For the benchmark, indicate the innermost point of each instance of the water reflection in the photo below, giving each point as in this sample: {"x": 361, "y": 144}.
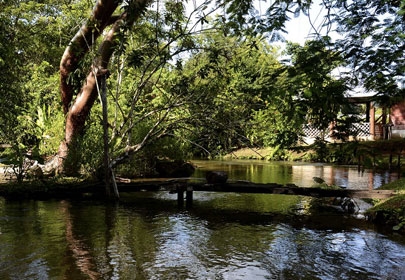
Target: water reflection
{"x": 224, "y": 235}
{"x": 146, "y": 236}
{"x": 297, "y": 173}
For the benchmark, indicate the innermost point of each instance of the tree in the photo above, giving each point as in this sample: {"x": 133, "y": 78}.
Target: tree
{"x": 304, "y": 92}
{"x": 117, "y": 31}
{"x": 74, "y": 54}
{"x": 373, "y": 42}
{"x": 317, "y": 92}
{"x": 118, "y": 17}
{"x": 161, "y": 36}
{"x": 230, "y": 77}
{"x": 27, "y": 53}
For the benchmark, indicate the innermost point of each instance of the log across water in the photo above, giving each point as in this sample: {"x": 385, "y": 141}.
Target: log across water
{"x": 188, "y": 185}
{"x": 185, "y": 184}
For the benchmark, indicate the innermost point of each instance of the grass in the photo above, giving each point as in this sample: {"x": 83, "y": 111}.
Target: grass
{"x": 268, "y": 153}
{"x": 396, "y": 185}
{"x": 247, "y": 153}
{"x": 391, "y": 211}
{"x": 381, "y": 154}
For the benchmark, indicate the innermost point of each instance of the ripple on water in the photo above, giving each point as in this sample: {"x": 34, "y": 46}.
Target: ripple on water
{"x": 159, "y": 243}
{"x": 335, "y": 255}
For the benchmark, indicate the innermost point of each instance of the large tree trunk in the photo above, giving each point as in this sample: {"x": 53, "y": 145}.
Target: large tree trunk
{"x": 78, "y": 110}
{"x": 81, "y": 44}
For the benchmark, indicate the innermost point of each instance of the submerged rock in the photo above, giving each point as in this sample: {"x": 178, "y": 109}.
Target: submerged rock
{"x": 216, "y": 177}
{"x": 174, "y": 169}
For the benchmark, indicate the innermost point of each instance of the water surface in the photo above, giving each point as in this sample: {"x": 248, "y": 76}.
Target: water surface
{"x": 224, "y": 236}
{"x": 298, "y": 173}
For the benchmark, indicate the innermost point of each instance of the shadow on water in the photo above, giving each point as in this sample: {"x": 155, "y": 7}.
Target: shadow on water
{"x": 251, "y": 209}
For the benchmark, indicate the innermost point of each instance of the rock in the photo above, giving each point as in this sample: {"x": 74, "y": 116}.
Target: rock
{"x": 216, "y": 177}
{"x": 36, "y": 172}
{"x": 318, "y": 180}
{"x": 174, "y": 169}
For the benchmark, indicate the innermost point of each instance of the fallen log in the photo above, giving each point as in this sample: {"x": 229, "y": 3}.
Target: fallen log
{"x": 179, "y": 185}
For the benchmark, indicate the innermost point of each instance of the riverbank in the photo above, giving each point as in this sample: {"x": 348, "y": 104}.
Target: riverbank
{"x": 390, "y": 212}
{"x": 387, "y": 212}
{"x": 381, "y": 154}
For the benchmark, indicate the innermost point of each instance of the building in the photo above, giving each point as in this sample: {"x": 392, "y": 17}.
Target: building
{"x": 377, "y": 121}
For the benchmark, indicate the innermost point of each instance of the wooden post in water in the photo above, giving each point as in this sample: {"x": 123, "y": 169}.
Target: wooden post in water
{"x": 180, "y": 196}
{"x": 189, "y": 196}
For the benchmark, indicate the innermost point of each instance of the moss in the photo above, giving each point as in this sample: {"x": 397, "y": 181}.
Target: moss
{"x": 396, "y": 185}
{"x": 390, "y": 212}
{"x": 392, "y": 204}
{"x": 326, "y": 186}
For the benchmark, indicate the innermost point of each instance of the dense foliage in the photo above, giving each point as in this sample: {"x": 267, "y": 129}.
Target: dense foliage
{"x": 185, "y": 79}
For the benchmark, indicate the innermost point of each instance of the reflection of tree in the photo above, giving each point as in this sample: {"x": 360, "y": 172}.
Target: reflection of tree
{"x": 116, "y": 239}
{"x": 83, "y": 259}
{"x": 118, "y": 252}
{"x": 130, "y": 238}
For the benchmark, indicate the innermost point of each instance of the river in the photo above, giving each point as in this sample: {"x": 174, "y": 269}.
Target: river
{"x": 223, "y": 236}
{"x": 298, "y": 173}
